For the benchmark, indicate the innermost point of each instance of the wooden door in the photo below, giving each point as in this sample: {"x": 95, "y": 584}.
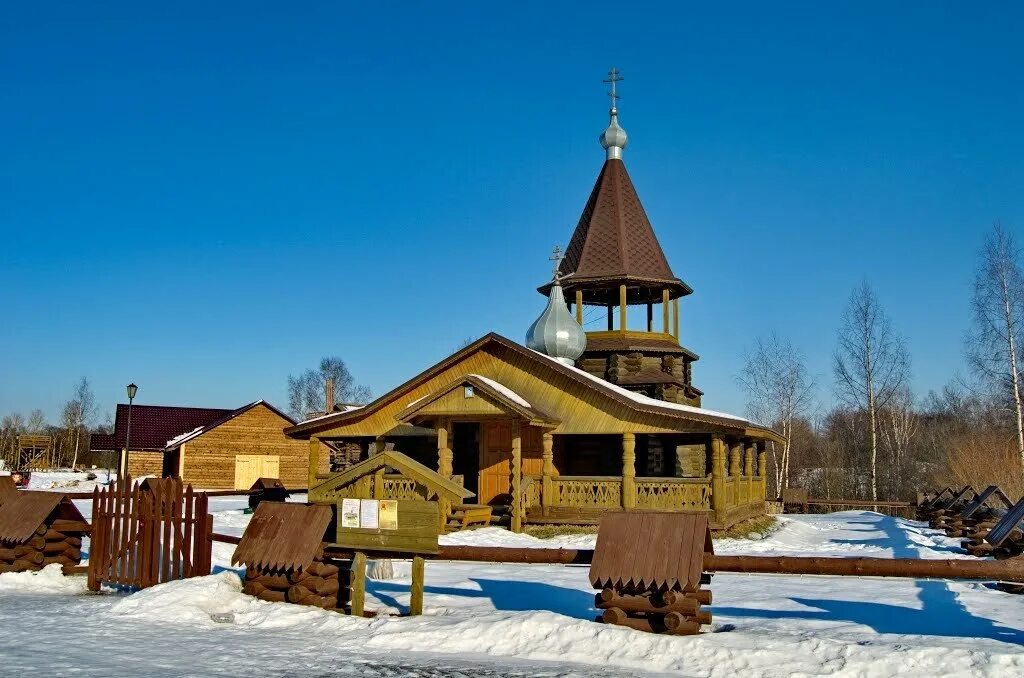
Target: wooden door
{"x": 495, "y": 463}
{"x": 250, "y": 467}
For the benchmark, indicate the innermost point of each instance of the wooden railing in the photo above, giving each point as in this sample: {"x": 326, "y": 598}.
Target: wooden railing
{"x": 673, "y": 494}
{"x": 587, "y": 491}
{"x": 531, "y": 489}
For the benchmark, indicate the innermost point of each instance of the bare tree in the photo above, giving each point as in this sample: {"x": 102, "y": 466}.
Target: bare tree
{"x": 11, "y": 426}
{"x": 994, "y": 344}
{"x": 898, "y": 428}
{"x": 871, "y": 364}
{"x": 779, "y": 391}
{"x": 306, "y": 392}
{"x": 36, "y": 422}
{"x": 77, "y": 414}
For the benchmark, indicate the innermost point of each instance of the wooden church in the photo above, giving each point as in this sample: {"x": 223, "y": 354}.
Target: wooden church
{"x": 574, "y": 424}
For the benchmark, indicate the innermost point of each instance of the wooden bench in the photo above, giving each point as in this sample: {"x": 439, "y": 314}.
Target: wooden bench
{"x": 474, "y": 514}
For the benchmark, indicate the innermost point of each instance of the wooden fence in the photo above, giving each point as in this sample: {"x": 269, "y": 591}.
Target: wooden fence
{"x": 146, "y": 536}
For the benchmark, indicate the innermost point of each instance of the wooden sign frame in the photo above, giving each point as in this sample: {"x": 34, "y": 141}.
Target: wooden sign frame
{"x": 416, "y": 532}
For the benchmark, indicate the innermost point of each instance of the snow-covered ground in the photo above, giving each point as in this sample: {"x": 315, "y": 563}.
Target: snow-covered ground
{"x": 521, "y": 620}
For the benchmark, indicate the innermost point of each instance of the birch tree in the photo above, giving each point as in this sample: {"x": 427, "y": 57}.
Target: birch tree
{"x": 307, "y": 392}
{"x": 779, "y": 390}
{"x": 871, "y": 365}
{"x": 898, "y": 427}
{"x": 994, "y": 343}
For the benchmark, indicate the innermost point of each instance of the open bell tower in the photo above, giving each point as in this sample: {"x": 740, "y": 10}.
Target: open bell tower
{"x": 614, "y": 262}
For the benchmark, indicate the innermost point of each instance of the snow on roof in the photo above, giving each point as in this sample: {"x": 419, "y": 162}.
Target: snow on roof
{"x": 176, "y": 440}
{"x": 503, "y": 390}
{"x": 641, "y": 398}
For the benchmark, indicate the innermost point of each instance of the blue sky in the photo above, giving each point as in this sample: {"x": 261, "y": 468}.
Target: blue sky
{"x": 204, "y": 198}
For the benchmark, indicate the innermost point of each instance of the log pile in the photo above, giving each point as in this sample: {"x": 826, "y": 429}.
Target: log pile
{"x": 45, "y": 547}
{"x": 323, "y": 584}
{"x": 671, "y": 612}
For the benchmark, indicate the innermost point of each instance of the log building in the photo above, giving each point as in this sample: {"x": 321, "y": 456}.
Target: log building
{"x": 574, "y": 424}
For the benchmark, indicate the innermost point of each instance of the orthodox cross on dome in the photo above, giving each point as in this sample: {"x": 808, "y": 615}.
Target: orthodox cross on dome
{"x": 556, "y": 256}
{"x": 613, "y": 77}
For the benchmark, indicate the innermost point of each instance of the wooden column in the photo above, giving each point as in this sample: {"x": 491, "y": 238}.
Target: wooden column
{"x": 650, "y": 316}
{"x": 444, "y": 467}
{"x": 664, "y": 311}
{"x": 547, "y": 490}
{"x": 675, "y": 318}
{"x": 579, "y": 306}
{"x": 748, "y": 469}
{"x": 762, "y": 467}
{"x": 378, "y": 476}
{"x": 734, "y": 458}
{"x": 517, "y": 477}
{"x": 314, "y": 461}
{"x": 378, "y": 445}
{"x": 622, "y": 309}
{"x": 718, "y": 503}
{"x": 444, "y": 451}
{"x": 628, "y": 470}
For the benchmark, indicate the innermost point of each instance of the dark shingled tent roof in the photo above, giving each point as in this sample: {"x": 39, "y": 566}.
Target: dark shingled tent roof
{"x": 614, "y": 241}
{"x": 7, "y": 488}
{"x": 21, "y": 514}
{"x": 283, "y": 536}
{"x": 651, "y": 550}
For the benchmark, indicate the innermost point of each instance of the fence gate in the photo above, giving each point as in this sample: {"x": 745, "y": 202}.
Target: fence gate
{"x": 143, "y": 535}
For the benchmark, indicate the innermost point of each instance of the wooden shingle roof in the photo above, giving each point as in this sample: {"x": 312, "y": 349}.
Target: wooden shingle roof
{"x": 614, "y": 241}
{"x": 283, "y": 536}
{"x": 651, "y": 550}
{"x": 22, "y": 513}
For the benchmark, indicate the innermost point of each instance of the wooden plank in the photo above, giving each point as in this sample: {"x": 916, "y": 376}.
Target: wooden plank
{"x": 416, "y": 593}
{"x": 187, "y": 551}
{"x": 417, "y": 531}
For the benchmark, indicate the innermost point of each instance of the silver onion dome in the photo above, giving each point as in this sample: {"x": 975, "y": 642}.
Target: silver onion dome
{"x": 556, "y": 333}
{"x": 613, "y": 139}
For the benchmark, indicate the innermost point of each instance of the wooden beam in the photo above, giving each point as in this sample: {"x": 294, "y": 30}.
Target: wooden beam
{"x": 718, "y": 504}
{"x": 675, "y": 318}
{"x": 611, "y": 316}
{"x": 579, "y": 306}
{"x": 664, "y": 310}
{"x": 622, "y": 309}
{"x": 548, "y": 471}
{"x": 650, "y": 316}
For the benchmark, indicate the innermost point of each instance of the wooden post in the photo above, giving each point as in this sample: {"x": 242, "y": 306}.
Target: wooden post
{"x": 314, "y": 461}
{"x": 416, "y": 592}
{"x": 734, "y": 459}
{"x": 718, "y": 503}
{"x": 579, "y": 306}
{"x": 748, "y": 469}
{"x": 664, "y": 310}
{"x": 611, "y": 316}
{"x": 444, "y": 467}
{"x": 628, "y": 471}
{"x": 378, "y": 444}
{"x": 547, "y": 490}
{"x": 517, "y": 477}
{"x": 378, "y": 476}
{"x": 650, "y": 316}
{"x": 622, "y": 309}
{"x": 675, "y": 318}
{"x": 358, "y": 584}
{"x": 762, "y": 467}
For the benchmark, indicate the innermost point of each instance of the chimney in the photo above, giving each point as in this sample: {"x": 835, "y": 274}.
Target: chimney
{"x": 329, "y": 395}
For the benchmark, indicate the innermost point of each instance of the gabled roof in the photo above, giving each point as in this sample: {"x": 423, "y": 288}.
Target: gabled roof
{"x": 186, "y": 436}
{"x": 505, "y": 398}
{"x": 154, "y": 425}
{"x": 21, "y": 514}
{"x": 635, "y": 401}
{"x": 405, "y": 465}
{"x": 614, "y": 242}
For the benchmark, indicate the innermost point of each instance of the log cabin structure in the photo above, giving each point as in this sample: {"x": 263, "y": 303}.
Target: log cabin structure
{"x": 209, "y": 448}
{"x": 574, "y": 424}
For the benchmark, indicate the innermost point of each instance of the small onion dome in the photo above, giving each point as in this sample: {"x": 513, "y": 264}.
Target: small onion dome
{"x": 556, "y": 333}
{"x": 613, "y": 139}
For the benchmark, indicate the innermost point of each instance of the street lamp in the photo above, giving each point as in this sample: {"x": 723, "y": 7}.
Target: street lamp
{"x": 132, "y": 390}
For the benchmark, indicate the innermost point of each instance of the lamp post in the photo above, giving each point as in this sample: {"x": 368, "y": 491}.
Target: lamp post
{"x": 132, "y": 390}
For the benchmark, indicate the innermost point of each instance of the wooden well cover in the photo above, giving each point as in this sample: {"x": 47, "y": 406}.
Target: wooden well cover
{"x": 651, "y": 550}
{"x": 283, "y": 536}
